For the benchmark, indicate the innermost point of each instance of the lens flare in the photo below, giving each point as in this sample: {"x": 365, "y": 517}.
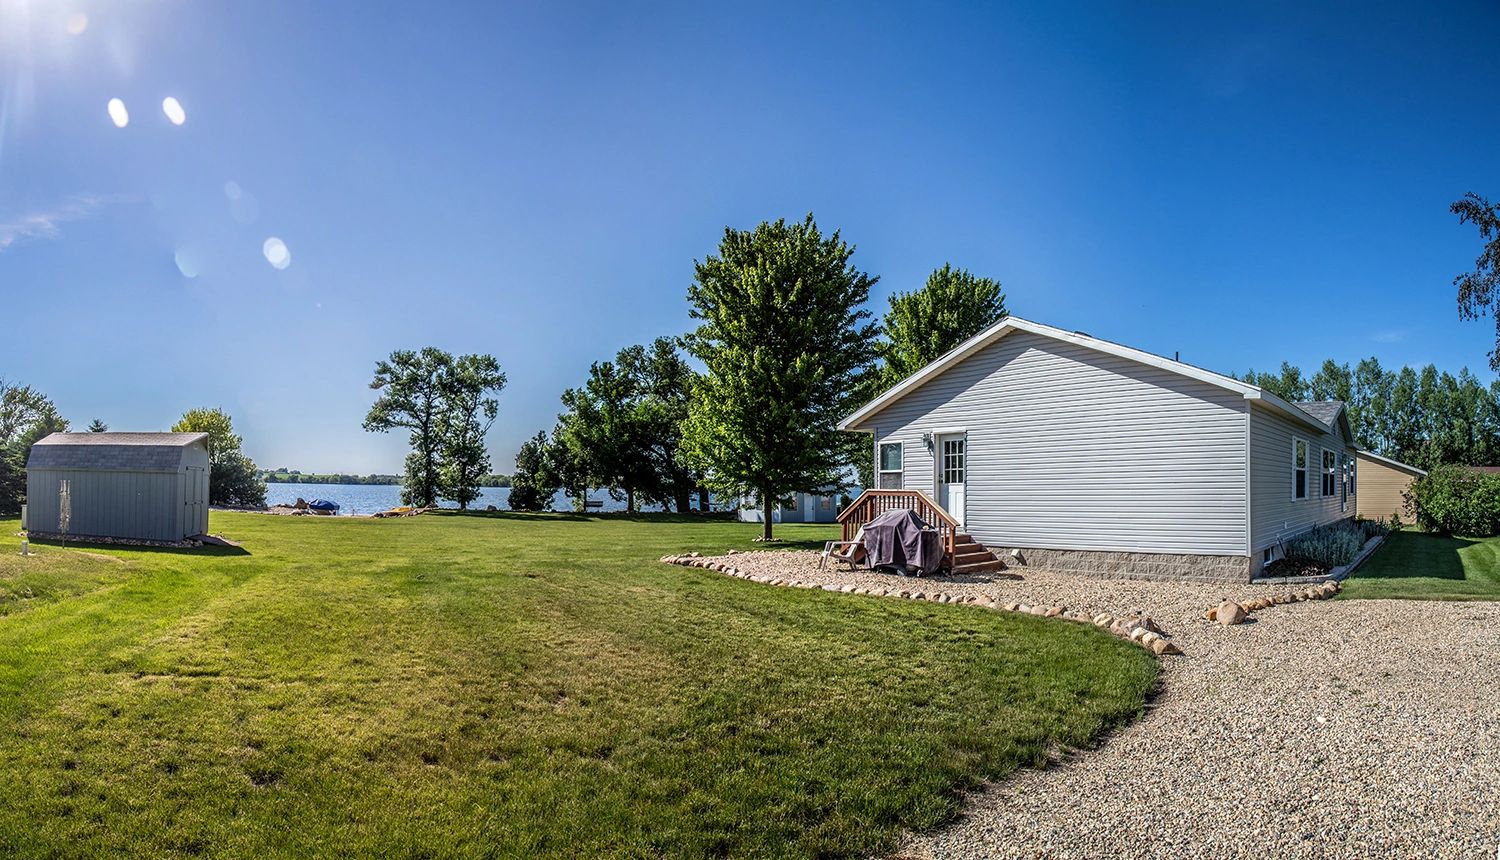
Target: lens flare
{"x": 276, "y": 253}
{"x": 232, "y": 190}
{"x": 77, "y": 23}
{"x": 118, "y": 114}
{"x": 186, "y": 263}
{"x": 173, "y": 109}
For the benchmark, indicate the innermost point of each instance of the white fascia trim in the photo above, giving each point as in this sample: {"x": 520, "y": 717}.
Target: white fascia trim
{"x": 1010, "y": 324}
{"x": 1389, "y": 462}
{"x": 1290, "y": 411}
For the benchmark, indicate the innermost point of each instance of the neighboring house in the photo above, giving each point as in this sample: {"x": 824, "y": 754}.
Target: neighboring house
{"x": 143, "y": 486}
{"x": 804, "y": 508}
{"x": 1098, "y": 458}
{"x": 1381, "y": 484}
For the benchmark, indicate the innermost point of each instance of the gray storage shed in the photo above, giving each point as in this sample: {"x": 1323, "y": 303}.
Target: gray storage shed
{"x": 144, "y": 486}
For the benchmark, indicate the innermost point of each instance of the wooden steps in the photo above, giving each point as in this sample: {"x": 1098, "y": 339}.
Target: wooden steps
{"x": 971, "y": 556}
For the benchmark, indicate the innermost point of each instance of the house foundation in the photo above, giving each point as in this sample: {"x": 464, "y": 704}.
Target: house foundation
{"x": 1104, "y": 564}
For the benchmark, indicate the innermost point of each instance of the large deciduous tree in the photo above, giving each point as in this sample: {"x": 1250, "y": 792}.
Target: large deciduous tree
{"x": 920, "y": 326}
{"x": 1479, "y": 290}
{"x": 470, "y": 412}
{"x": 785, "y": 339}
{"x": 26, "y": 415}
{"x": 663, "y": 386}
{"x": 412, "y": 397}
{"x": 445, "y": 405}
{"x": 597, "y": 434}
{"x": 622, "y": 428}
{"x": 232, "y": 477}
{"x": 534, "y": 482}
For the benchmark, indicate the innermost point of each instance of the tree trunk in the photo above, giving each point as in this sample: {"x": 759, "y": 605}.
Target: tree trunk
{"x": 684, "y": 498}
{"x": 629, "y": 501}
{"x": 703, "y": 504}
{"x": 768, "y": 503}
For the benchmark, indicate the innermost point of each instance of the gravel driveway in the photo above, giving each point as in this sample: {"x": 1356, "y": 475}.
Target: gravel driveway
{"x": 1320, "y": 729}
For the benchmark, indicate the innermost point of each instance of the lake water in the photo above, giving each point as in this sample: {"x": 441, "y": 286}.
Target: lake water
{"x": 370, "y": 498}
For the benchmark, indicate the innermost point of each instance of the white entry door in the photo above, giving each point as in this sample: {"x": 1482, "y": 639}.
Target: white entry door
{"x": 952, "y": 466}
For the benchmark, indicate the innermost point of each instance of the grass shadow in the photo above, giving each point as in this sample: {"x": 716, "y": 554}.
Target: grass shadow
{"x": 1412, "y": 555}
{"x": 198, "y": 551}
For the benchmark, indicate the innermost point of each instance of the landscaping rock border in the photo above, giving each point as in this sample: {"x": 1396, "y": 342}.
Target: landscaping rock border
{"x": 1232, "y": 612}
{"x": 1140, "y": 630}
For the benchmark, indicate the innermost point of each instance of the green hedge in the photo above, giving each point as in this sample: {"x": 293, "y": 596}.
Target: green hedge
{"x": 1456, "y": 500}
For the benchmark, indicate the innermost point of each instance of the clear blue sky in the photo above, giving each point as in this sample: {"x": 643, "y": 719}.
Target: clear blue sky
{"x": 1245, "y": 186}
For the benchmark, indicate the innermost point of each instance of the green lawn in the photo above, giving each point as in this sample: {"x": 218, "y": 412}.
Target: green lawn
{"x": 1420, "y": 566}
{"x": 506, "y": 685}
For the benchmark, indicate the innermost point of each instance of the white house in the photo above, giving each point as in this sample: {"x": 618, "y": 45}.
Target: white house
{"x": 1093, "y": 457}
{"x": 804, "y": 508}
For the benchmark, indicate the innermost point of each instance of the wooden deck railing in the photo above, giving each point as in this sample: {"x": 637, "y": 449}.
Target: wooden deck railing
{"x": 873, "y": 503}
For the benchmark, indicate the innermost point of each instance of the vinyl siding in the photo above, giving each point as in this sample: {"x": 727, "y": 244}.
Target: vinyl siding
{"x": 1275, "y": 514}
{"x": 1072, "y": 448}
{"x": 140, "y": 505}
{"x": 1380, "y": 488}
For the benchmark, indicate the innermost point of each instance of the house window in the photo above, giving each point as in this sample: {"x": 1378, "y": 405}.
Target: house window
{"x": 953, "y": 461}
{"x": 1299, "y": 469}
{"x": 1349, "y": 475}
{"x": 1330, "y": 473}
{"x": 890, "y": 463}
{"x": 826, "y": 503}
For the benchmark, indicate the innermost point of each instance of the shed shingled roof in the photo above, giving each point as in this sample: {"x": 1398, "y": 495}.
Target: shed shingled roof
{"x": 112, "y": 452}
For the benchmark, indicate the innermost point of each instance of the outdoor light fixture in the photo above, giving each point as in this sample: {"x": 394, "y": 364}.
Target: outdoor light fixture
{"x": 927, "y": 440}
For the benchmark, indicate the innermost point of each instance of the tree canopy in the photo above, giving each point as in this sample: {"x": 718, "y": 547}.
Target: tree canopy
{"x": 411, "y": 397}
{"x": 445, "y": 404}
{"x": 1424, "y": 417}
{"x": 786, "y": 342}
{"x": 534, "y": 482}
{"x": 26, "y": 415}
{"x": 232, "y": 477}
{"x": 622, "y": 429}
{"x": 468, "y": 417}
{"x": 921, "y": 326}
{"x": 1479, "y": 290}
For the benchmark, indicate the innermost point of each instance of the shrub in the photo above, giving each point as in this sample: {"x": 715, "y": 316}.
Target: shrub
{"x": 1455, "y": 500}
{"x": 1372, "y": 528}
{"x": 1334, "y": 544}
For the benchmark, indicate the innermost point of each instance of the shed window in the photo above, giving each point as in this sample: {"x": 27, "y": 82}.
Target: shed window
{"x": 1330, "y": 473}
{"x": 1299, "y": 469}
{"x": 890, "y": 463}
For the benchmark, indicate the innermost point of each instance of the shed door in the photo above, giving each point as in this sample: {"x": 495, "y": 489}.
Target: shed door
{"x": 195, "y": 500}
{"x": 952, "y": 466}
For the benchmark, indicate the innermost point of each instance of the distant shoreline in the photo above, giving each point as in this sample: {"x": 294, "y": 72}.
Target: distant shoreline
{"x": 283, "y": 477}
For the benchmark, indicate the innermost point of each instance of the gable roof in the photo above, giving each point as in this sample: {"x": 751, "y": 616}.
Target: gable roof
{"x": 1334, "y": 413}
{"x": 1326, "y": 411}
{"x": 114, "y": 452}
{"x": 1014, "y": 324}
